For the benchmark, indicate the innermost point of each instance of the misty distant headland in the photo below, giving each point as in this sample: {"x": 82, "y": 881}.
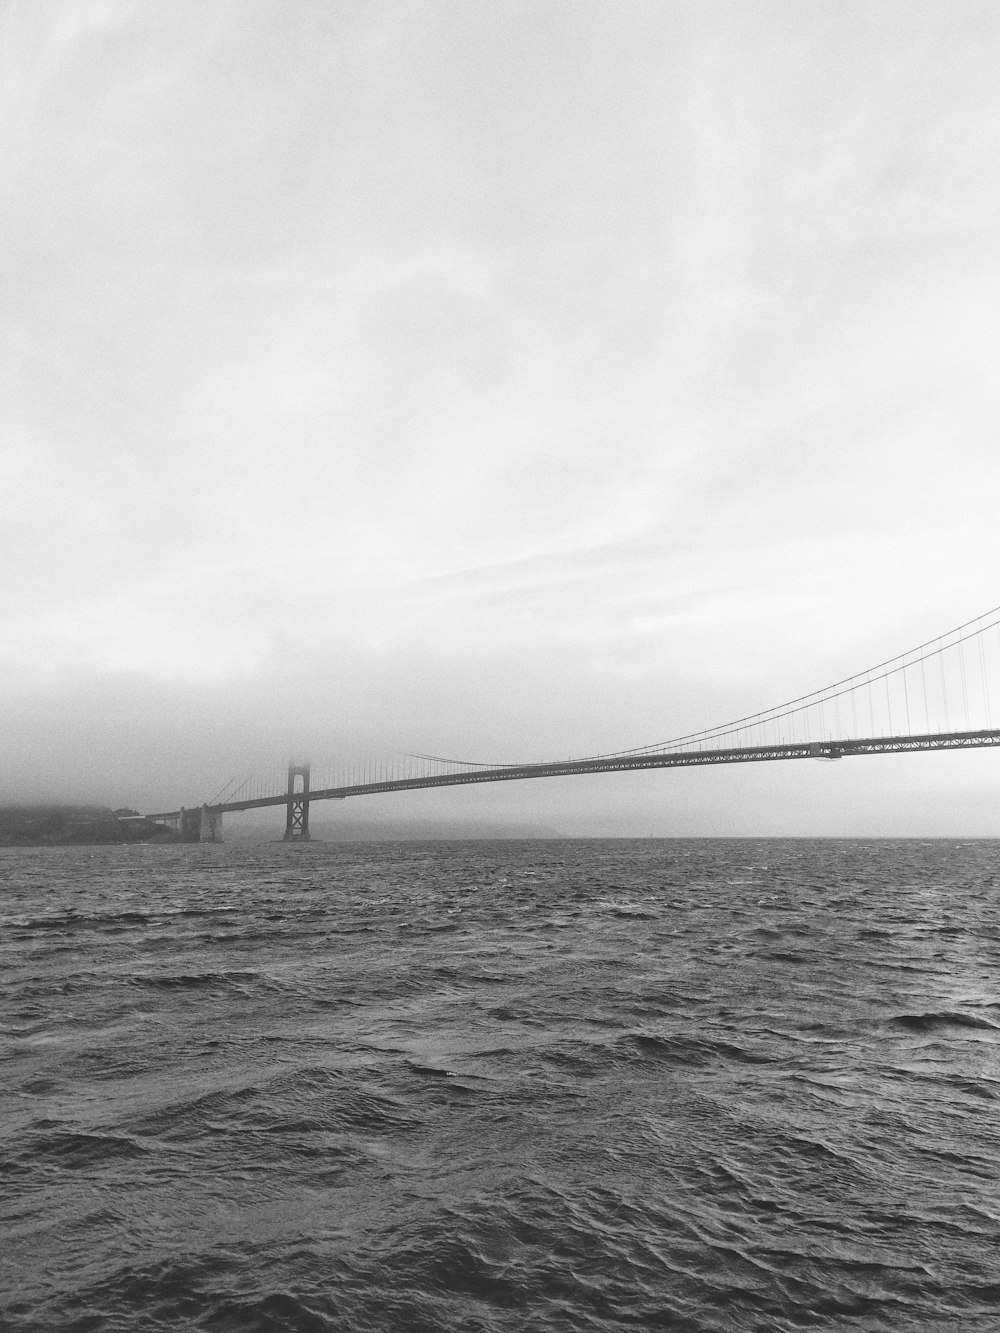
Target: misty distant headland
{"x": 65, "y": 825}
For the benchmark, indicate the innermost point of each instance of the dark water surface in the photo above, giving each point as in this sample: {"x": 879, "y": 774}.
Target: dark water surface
{"x": 501, "y": 1086}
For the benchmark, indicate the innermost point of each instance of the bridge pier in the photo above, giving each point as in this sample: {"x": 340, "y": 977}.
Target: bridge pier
{"x": 210, "y": 825}
{"x": 189, "y": 825}
{"x": 199, "y": 825}
{"x": 297, "y": 817}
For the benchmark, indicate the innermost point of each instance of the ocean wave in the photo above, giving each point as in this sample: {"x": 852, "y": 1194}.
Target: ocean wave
{"x": 482, "y": 1088}
{"x": 933, "y": 1021}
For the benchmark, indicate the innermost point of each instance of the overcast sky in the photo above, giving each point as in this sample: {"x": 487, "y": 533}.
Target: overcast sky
{"x": 507, "y": 380}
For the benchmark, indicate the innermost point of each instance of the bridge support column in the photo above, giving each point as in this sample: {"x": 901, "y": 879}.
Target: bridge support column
{"x": 297, "y": 818}
{"x": 210, "y": 826}
{"x": 189, "y": 825}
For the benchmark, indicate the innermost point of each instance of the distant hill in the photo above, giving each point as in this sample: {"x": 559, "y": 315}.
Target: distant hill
{"x": 58, "y": 825}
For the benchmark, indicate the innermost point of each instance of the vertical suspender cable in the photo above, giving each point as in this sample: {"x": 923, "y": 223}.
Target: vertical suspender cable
{"x": 871, "y": 707}
{"x": 923, "y": 678}
{"x": 986, "y": 682}
{"x": 944, "y": 689}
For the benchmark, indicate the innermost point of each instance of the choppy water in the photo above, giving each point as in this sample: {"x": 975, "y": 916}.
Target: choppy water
{"x": 501, "y": 1086}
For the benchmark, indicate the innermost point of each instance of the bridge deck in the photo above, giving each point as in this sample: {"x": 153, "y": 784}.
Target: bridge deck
{"x": 624, "y": 763}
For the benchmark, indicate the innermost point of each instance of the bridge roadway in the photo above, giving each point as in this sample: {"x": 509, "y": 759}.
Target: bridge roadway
{"x": 625, "y": 763}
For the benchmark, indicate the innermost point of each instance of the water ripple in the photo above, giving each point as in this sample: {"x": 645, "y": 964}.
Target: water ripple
{"x": 687, "y": 1085}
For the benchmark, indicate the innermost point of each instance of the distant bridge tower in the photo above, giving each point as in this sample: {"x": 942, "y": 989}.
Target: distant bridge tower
{"x": 297, "y": 821}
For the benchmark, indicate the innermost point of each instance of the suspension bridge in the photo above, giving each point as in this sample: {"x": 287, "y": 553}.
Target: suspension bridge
{"x": 940, "y": 695}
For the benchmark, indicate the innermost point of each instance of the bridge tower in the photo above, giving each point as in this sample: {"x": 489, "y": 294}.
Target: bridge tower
{"x": 297, "y": 820}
